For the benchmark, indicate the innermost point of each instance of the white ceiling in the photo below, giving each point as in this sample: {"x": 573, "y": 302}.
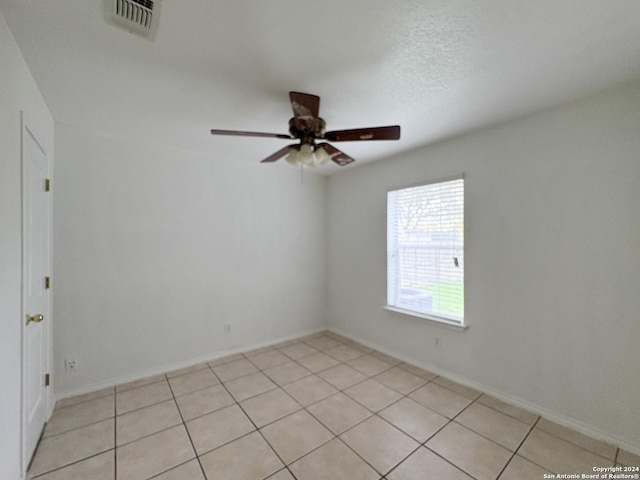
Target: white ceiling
{"x": 436, "y": 67}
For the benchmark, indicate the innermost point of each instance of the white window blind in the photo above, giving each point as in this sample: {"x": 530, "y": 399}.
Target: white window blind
{"x": 425, "y": 250}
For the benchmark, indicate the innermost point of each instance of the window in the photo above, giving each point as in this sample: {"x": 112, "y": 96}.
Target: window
{"x": 425, "y": 251}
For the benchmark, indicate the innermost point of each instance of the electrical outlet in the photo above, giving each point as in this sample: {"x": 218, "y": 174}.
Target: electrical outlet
{"x": 70, "y": 364}
{"x": 438, "y": 342}
{"x": 227, "y": 328}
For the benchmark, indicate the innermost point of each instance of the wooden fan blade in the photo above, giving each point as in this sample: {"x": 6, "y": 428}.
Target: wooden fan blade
{"x": 304, "y": 104}
{"x": 249, "y": 134}
{"x": 279, "y": 154}
{"x": 336, "y": 155}
{"x": 356, "y": 134}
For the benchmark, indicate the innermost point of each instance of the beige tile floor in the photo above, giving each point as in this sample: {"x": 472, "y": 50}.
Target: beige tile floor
{"x": 319, "y": 407}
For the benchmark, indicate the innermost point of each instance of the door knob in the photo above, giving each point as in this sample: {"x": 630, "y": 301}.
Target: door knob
{"x": 35, "y": 318}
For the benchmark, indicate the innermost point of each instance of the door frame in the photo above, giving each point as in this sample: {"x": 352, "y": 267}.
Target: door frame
{"x": 27, "y": 129}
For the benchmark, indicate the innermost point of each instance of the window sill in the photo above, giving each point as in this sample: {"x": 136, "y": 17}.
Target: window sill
{"x": 440, "y": 321}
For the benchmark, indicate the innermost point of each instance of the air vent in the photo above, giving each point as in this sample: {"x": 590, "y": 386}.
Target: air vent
{"x": 139, "y": 16}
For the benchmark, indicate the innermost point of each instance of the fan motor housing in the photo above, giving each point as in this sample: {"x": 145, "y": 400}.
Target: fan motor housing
{"x": 307, "y": 127}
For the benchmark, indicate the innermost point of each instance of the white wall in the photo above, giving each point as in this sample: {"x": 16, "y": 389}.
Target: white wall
{"x": 156, "y": 249}
{"x": 18, "y": 92}
{"x": 552, "y": 261}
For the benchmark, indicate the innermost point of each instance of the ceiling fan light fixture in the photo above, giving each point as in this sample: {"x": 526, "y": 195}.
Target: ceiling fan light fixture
{"x": 305, "y": 156}
{"x": 292, "y": 156}
{"x": 322, "y": 156}
{"x": 308, "y": 156}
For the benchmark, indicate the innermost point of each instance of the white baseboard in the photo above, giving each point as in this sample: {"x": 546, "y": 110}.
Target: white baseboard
{"x": 170, "y": 367}
{"x": 505, "y": 397}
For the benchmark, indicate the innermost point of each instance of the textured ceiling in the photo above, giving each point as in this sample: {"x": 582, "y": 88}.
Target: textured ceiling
{"x": 436, "y": 67}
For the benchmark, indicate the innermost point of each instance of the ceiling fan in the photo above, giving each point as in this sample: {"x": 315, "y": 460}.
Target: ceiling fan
{"x": 308, "y": 127}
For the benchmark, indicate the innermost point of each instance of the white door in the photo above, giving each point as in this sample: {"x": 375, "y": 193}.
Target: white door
{"x": 35, "y": 252}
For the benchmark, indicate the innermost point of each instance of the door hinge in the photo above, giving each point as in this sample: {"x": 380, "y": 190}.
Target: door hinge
{"x": 46, "y": 380}
{"x": 47, "y": 282}
{"x": 47, "y": 185}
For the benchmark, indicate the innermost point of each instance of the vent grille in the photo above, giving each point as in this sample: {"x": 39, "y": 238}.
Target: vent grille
{"x": 139, "y": 16}
{"x": 144, "y": 3}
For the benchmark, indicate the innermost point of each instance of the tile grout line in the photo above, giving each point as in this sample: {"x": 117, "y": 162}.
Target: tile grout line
{"x": 76, "y": 428}
{"x": 365, "y": 461}
{"x": 56, "y": 469}
{"x": 373, "y": 414}
{"x": 281, "y": 387}
{"x": 515, "y": 452}
{"x": 577, "y": 444}
{"x": 153, "y": 433}
{"x": 256, "y": 428}
{"x": 520, "y": 446}
{"x": 43, "y": 436}
{"x": 342, "y": 391}
{"x": 484, "y": 436}
{"x": 419, "y": 447}
{"x": 452, "y": 420}
{"x": 305, "y": 408}
{"x": 376, "y": 414}
{"x": 184, "y": 425}
{"x": 424, "y": 444}
{"x": 57, "y": 409}
{"x": 29, "y": 476}
{"x": 503, "y": 413}
{"x": 403, "y": 396}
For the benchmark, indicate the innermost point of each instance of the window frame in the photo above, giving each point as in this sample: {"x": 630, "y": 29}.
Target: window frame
{"x": 460, "y": 324}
